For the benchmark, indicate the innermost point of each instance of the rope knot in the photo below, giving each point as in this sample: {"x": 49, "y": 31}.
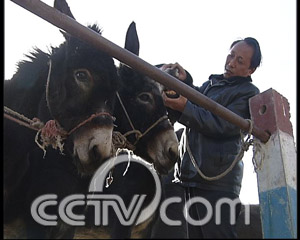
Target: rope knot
{"x": 120, "y": 141}
{"x": 245, "y": 146}
{"x": 51, "y": 134}
{"x": 51, "y": 131}
{"x": 37, "y": 123}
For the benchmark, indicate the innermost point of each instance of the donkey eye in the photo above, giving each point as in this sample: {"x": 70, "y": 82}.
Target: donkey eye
{"x": 145, "y": 97}
{"x": 82, "y": 75}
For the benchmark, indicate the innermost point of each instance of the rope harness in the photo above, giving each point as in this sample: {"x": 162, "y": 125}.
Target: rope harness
{"x": 121, "y": 143}
{"x": 50, "y": 133}
{"x": 244, "y": 147}
{"x": 53, "y": 134}
{"x": 138, "y": 133}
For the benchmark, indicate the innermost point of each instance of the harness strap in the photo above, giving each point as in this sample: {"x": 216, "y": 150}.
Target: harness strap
{"x": 152, "y": 126}
{"x": 90, "y": 119}
{"x": 128, "y": 118}
{"x": 50, "y": 133}
{"x": 138, "y": 133}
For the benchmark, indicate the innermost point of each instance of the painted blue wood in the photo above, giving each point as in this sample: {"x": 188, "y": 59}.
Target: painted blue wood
{"x": 277, "y": 186}
{"x": 279, "y": 212}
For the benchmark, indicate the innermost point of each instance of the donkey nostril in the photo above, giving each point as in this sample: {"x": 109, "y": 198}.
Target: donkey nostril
{"x": 94, "y": 153}
{"x": 173, "y": 153}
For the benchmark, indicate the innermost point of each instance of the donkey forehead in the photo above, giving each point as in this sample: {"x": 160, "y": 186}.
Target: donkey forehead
{"x": 155, "y": 86}
{"x": 89, "y": 56}
{"x": 145, "y": 83}
{"x": 96, "y": 62}
{"x": 152, "y": 85}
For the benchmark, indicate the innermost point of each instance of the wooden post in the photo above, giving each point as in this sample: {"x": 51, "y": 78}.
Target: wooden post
{"x": 276, "y": 165}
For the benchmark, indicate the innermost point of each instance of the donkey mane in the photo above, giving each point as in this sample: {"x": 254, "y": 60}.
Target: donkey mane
{"x": 29, "y": 71}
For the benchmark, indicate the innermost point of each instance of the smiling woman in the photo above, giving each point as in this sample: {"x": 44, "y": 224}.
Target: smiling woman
{"x": 188, "y": 39}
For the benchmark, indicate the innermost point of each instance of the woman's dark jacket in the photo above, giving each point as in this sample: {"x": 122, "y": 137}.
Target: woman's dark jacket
{"x": 213, "y": 141}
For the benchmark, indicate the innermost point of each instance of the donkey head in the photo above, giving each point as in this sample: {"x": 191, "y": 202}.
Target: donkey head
{"x": 142, "y": 100}
{"x": 81, "y": 87}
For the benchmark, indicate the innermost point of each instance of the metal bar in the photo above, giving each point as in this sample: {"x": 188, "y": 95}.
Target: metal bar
{"x": 71, "y": 26}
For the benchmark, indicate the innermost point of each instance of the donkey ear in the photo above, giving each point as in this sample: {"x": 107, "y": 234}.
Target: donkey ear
{"x": 132, "y": 41}
{"x": 159, "y": 65}
{"x": 63, "y": 6}
{"x": 66, "y": 35}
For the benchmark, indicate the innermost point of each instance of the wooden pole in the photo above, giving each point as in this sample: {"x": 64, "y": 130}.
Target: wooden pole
{"x": 276, "y": 165}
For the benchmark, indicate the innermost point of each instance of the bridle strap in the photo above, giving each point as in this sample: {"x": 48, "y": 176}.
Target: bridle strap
{"x": 90, "y": 119}
{"x": 51, "y": 132}
{"x": 124, "y": 109}
{"x": 153, "y": 125}
{"x": 47, "y": 85}
{"x": 138, "y": 133}
{"x": 81, "y": 123}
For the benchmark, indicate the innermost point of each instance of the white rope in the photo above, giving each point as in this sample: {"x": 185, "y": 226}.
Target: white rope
{"x": 258, "y": 155}
{"x": 244, "y": 147}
